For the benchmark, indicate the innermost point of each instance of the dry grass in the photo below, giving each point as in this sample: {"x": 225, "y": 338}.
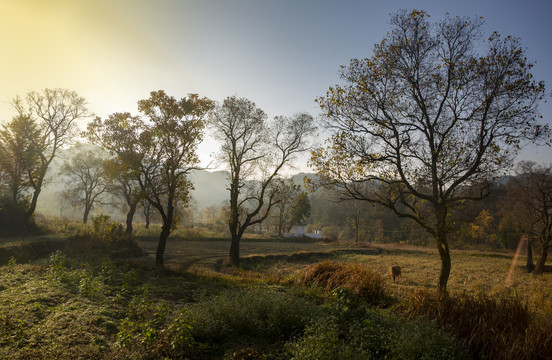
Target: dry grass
{"x": 472, "y": 273}
{"x": 494, "y": 321}
{"x": 497, "y": 317}
{"x": 330, "y": 275}
{"x": 491, "y": 327}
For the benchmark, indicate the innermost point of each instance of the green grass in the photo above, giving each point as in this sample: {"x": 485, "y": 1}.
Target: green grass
{"x": 15, "y": 241}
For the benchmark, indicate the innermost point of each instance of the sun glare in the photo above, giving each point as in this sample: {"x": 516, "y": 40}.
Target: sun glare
{"x": 509, "y": 278}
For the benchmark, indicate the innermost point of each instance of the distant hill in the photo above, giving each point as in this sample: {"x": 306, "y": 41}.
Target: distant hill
{"x": 210, "y": 188}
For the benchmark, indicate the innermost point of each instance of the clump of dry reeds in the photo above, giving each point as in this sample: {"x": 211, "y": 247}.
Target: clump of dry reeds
{"x": 361, "y": 280}
{"x": 491, "y": 327}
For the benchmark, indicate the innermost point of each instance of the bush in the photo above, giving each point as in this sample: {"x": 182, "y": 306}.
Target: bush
{"x": 107, "y": 235}
{"x": 266, "y": 315}
{"x": 493, "y": 328}
{"x": 13, "y": 219}
{"x": 362, "y": 281}
{"x": 91, "y": 280}
{"x": 377, "y": 335}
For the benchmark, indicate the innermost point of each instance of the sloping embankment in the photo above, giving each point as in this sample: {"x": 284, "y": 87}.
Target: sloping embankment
{"x": 305, "y": 256}
{"x": 31, "y": 250}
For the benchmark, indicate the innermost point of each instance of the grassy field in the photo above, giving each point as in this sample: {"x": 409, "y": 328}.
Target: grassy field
{"x": 198, "y": 253}
{"x": 473, "y": 272}
{"x": 85, "y": 303}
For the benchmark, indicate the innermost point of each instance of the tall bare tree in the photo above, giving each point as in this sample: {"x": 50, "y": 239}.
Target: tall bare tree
{"x": 356, "y": 217}
{"x": 88, "y": 181}
{"x": 56, "y": 112}
{"x": 254, "y": 151}
{"x": 422, "y": 125}
{"x": 147, "y": 212}
{"x": 288, "y": 192}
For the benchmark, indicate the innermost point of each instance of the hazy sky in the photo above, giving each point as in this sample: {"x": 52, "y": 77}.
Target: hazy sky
{"x": 281, "y": 54}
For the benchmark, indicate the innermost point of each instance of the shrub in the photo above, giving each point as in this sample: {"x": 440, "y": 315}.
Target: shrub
{"x": 13, "y": 219}
{"x": 377, "y": 335}
{"x": 108, "y": 233}
{"x": 266, "y": 315}
{"x": 90, "y": 280}
{"x": 361, "y": 280}
{"x": 77, "y": 280}
{"x": 59, "y": 268}
{"x": 109, "y": 236}
{"x": 493, "y": 328}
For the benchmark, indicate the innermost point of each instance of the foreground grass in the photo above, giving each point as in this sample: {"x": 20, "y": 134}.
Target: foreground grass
{"x": 86, "y": 305}
{"x": 67, "y": 308}
{"x": 89, "y": 306}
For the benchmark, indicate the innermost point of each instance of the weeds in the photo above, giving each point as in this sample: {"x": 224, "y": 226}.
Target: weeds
{"x": 152, "y": 328}
{"x": 85, "y": 304}
{"x": 492, "y": 327}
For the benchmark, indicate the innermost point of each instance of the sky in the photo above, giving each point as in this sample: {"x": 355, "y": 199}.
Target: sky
{"x": 281, "y": 54}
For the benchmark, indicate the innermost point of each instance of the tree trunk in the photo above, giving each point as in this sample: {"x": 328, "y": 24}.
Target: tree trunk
{"x": 147, "y": 213}
{"x": 444, "y": 253}
{"x": 85, "y": 216}
{"x": 14, "y": 193}
{"x": 235, "y": 251}
{"x": 38, "y": 187}
{"x": 539, "y": 268}
{"x": 529, "y": 265}
{"x": 233, "y": 223}
{"x": 129, "y": 217}
{"x": 279, "y": 226}
{"x": 165, "y": 231}
{"x": 34, "y": 200}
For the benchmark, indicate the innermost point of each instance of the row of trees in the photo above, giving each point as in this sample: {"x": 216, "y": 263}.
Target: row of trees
{"x": 147, "y": 158}
{"x": 420, "y": 128}
{"x": 154, "y": 159}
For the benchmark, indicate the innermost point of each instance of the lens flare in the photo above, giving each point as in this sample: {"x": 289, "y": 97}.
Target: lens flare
{"x": 509, "y": 278}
